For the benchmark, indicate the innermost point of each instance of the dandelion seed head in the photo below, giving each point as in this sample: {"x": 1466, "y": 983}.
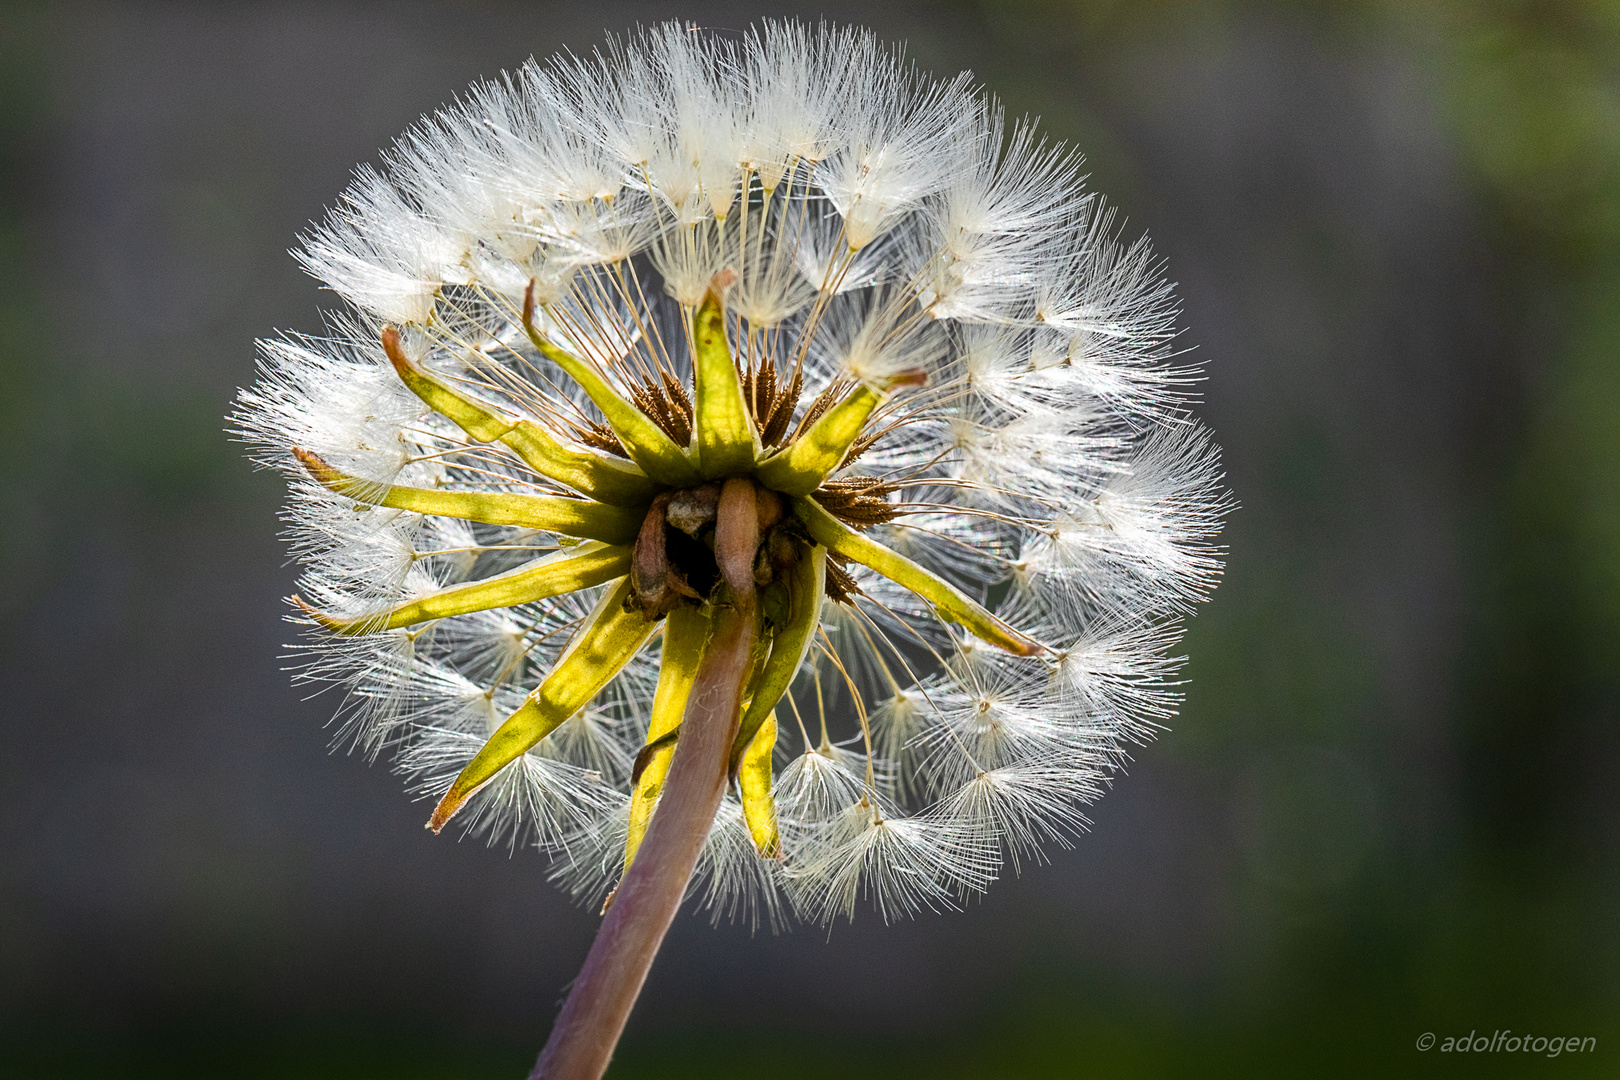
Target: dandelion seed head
{"x": 589, "y": 292}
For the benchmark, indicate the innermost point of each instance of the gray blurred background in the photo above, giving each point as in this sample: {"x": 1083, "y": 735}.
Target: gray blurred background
{"x": 1392, "y": 804}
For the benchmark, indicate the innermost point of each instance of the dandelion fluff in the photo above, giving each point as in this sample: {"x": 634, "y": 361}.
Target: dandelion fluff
{"x": 596, "y": 292}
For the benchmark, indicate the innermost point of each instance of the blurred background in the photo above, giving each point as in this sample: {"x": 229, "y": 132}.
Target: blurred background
{"x": 1391, "y": 806}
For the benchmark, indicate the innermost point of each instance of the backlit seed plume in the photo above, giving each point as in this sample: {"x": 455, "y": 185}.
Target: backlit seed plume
{"x": 587, "y": 296}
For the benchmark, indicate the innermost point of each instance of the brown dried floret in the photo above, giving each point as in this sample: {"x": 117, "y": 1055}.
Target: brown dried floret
{"x": 680, "y": 409}
{"x": 596, "y": 434}
{"x": 656, "y": 584}
{"x": 840, "y": 586}
{"x": 775, "y": 419}
{"x": 858, "y": 501}
{"x": 691, "y": 509}
{"x": 824, "y": 401}
{"x": 672, "y": 413}
{"x": 863, "y": 442}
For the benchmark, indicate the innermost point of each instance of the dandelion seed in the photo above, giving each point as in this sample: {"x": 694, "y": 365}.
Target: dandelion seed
{"x": 747, "y": 470}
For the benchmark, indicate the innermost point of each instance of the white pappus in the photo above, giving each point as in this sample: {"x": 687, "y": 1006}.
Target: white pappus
{"x": 543, "y": 251}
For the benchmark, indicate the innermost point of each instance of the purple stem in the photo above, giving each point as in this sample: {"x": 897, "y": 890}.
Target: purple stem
{"x": 592, "y": 1019}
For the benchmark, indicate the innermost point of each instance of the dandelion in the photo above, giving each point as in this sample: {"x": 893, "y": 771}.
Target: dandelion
{"x": 745, "y": 469}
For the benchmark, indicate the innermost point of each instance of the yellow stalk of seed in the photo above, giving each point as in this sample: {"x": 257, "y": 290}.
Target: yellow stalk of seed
{"x": 580, "y": 518}
{"x": 754, "y": 786}
{"x": 580, "y": 567}
{"x": 950, "y": 604}
{"x": 685, "y": 631}
{"x": 590, "y": 474}
{"x": 801, "y": 466}
{"x": 727, "y": 444}
{"x": 645, "y": 442}
{"x": 608, "y": 641}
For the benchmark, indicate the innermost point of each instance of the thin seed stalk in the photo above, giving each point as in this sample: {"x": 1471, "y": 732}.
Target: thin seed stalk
{"x": 593, "y": 1017}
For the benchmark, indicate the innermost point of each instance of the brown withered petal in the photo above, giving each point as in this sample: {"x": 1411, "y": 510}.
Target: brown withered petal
{"x": 858, "y": 501}
{"x": 841, "y": 586}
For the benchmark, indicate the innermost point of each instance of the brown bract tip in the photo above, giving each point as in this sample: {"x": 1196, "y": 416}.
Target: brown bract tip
{"x": 721, "y": 284}
{"x": 320, "y": 617}
{"x": 442, "y": 813}
{"x": 1029, "y": 646}
{"x": 692, "y": 508}
{"x": 315, "y": 614}
{"x": 314, "y": 463}
{"x": 396, "y": 352}
{"x": 644, "y": 758}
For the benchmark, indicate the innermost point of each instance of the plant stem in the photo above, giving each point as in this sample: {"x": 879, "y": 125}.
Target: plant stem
{"x": 588, "y": 1028}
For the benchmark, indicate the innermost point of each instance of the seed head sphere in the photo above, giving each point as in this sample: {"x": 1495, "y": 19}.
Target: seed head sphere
{"x": 585, "y": 300}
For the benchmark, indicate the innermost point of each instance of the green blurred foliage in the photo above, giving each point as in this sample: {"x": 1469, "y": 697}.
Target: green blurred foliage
{"x": 261, "y": 1055}
{"x": 71, "y": 432}
{"x": 23, "y": 323}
